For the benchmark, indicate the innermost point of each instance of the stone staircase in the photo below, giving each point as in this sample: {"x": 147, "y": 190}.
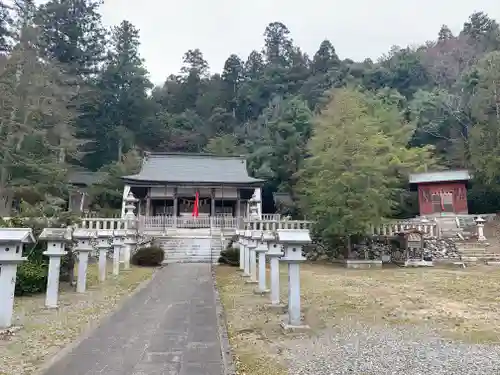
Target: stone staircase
{"x": 462, "y": 230}
{"x": 190, "y": 247}
{"x": 474, "y": 251}
{"x": 448, "y": 227}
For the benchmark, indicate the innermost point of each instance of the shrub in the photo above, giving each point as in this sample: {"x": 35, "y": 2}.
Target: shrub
{"x": 230, "y": 256}
{"x": 150, "y": 256}
{"x": 31, "y": 278}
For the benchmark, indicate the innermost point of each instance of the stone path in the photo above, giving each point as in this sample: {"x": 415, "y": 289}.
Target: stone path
{"x": 169, "y": 328}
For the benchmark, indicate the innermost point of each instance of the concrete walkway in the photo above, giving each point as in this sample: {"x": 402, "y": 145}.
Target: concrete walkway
{"x": 168, "y": 328}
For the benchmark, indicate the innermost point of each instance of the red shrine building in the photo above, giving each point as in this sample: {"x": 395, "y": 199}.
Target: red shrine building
{"x": 441, "y": 193}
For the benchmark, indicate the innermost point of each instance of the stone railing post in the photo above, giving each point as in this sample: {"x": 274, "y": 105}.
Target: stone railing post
{"x": 11, "y": 254}
{"x": 56, "y": 238}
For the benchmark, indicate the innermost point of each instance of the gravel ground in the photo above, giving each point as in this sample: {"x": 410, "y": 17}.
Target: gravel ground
{"x": 363, "y": 350}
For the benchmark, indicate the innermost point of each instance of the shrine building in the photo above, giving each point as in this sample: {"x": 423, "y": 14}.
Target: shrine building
{"x": 170, "y": 184}
{"x": 441, "y": 193}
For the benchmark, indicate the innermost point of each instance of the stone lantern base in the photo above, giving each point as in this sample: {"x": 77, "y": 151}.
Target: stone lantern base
{"x": 279, "y": 308}
{"x": 287, "y": 328}
{"x": 261, "y": 292}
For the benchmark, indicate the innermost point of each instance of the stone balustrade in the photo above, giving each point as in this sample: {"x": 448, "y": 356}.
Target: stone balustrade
{"x": 105, "y": 224}
{"x": 162, "y": 222}
{"x": 429, "y": 229}
{"x": 274, "y": 225}
{"x": 271, "y": 217}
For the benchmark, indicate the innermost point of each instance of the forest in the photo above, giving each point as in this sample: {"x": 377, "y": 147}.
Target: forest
{"x": 336, "y": 136}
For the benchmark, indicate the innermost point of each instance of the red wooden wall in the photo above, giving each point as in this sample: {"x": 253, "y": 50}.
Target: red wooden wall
{"x": 425, "y": 192}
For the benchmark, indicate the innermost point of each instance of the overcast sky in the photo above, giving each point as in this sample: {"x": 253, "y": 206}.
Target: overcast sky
{"x": 357, "y": 28}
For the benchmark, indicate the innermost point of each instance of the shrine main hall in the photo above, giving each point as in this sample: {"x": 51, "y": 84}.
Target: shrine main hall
{"x": 168, "y": 184}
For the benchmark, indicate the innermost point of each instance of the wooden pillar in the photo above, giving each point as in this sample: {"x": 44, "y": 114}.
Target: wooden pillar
{"x": 238, "y": 201}
{"x": 176, "y": 204}
{"x": 148, "y": 202}
{"x": 212, "y": 202}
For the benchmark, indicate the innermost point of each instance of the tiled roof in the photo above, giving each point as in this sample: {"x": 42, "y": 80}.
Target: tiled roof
{"x": 439, "y": 176}
{"x": 189, "y": 168}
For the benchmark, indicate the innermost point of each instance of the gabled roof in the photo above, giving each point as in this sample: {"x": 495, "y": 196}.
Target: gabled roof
{"x": 440, "y": 176}
{"x": 193, "y": 168}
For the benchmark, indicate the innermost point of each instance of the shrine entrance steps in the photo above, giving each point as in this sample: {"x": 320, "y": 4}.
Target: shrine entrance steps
{"x": 193, "y": 248}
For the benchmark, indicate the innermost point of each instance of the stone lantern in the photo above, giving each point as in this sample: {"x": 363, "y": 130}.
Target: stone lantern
{"x": 103, "y": 246}
{"x": 480, "y": 228}
{"x": 253, "y": 206}
{"x": 118, "y": 243}
{"x": 130, "y": 228}
{"x": 56, "y": 239}
{"x": 292, "y": 241}
{"x": 11, "y": 254}
{"x": 86, "y": 240}
{"x": 274, "y": 253}
{"x": 130, "y": 218}
{"x": 261, "y": 250}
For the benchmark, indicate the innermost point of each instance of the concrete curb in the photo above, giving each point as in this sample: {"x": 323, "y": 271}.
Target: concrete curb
{"x": 91, "y": 329}
{"x": 225, "y": 348}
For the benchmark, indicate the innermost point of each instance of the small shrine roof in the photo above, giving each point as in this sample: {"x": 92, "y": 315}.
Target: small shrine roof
{"x": 23, "y": 235}
{"x": 440, "y": 176}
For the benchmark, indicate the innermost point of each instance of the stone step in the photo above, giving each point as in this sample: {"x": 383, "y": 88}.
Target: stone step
{"x": 481, "y": 255}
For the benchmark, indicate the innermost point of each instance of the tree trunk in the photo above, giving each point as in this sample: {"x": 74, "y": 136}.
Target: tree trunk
{"x": 120, "y": 151}
{"x": 349, "y": 247}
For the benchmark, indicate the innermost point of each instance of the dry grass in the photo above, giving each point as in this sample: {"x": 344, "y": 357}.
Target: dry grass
{"x": 460, "y": 303}
{"x": 44, "y": 332}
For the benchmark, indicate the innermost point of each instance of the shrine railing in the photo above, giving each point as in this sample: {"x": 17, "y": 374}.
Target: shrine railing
{"x": 273, "y": 225}
{"x": 429, "y": 229}
{"x": 96, "y": 223}
{"x": 168, "y": 222}
{"x": 271, "y": 217}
